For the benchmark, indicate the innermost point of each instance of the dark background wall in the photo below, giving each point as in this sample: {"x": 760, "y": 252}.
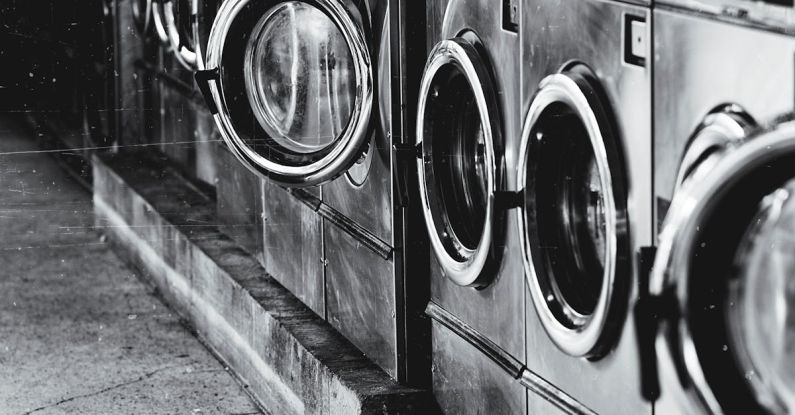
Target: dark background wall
{"x": 55, "y": 58}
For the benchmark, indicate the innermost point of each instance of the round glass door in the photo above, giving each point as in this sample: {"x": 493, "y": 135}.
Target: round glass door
{"x": 574, "y": 218}
{"x": 180, "y": 17}
{"x": 201, "y": 27}
{"x": 727, "y": 258}
{"x": 293, "y": 87}
{"x": 461, "y": 167}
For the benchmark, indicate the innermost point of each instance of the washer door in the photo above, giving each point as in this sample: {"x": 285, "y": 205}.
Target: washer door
{"x": 461, "y": 167}
{"x": 180, "y": 17}
{"x": 726, "y": 263}
{"x": 291, "y": 84}
{"x": 573, "y": 223}
{"x": 142, "y": 14}
{"x": 159, "y": 22}
{"x": 202, "y": 25}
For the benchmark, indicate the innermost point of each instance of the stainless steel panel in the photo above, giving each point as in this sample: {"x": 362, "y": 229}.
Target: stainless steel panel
{"x": 756, "y": 72}
{"x": 364, "y": 194}
{"x": 466, "y": 382}
{"x": 773, "y": 14}
{"x": 293, "y": 245}
{"x": 537, "y": 405}
{"x": 361, "y": 297}
{"x": 495, "y": 311}
{"x": 239, "y": 203}
{"x": 554, "y": 33}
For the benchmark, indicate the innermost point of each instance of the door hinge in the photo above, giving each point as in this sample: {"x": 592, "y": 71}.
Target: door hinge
{"x": 506, "y": 200}
{"x": 406, "y": 156}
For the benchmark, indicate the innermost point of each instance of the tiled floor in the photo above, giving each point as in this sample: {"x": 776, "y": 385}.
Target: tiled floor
{"x": 79, "y": 333}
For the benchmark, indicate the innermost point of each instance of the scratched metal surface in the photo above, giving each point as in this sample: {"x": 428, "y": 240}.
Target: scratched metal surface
{"x": 239, "y": 203}
{"x": 466, "y": 382}
{"x": 365, "y": 193}
{"x": 293, "y": 245}
{"x": 360, "y": 296}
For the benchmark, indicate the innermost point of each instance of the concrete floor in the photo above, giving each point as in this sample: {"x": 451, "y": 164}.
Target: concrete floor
{"x": 79, "y": 333}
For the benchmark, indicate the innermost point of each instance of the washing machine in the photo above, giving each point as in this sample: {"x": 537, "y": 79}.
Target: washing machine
{"x": 137, "y": 54}
{"x": 719, "y": 311}
{"x": 99, "y": 76}
{"x": 184, "y": 129}
{"x": 188, "y": 24}
{"x": 584, "y": 171}
{"x": 304, "y": 95}
{"x": 287, "y": 234}
{"x": 467, "y": 127}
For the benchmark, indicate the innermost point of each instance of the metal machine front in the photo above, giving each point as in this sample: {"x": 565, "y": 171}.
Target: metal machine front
{"x": 467, "y": 127}
{"x": 584, "y": 174}
{"x": 179, "y": 17}
{"x": 721, "y": 281}
{"x": 573, "y": 222}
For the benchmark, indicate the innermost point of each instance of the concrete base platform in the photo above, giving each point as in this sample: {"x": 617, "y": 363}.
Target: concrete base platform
{"x": 291, "y": 360}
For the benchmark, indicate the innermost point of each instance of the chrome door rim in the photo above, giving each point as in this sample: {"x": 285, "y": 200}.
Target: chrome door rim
{"x": 347, "y": 150}
{"x": 142, "y": 18}
{"x": 688, "y": 210}
{"x": 581, "y": 340}
{"x": 467, "y": 269}
{"x": 183, "y": 51}
{"x": 159, "y": 23}
{"x": 721, "y": 127}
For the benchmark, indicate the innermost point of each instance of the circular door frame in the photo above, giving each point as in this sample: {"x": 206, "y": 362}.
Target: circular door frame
{"x": 671, "y": 275}
{"x": 184, "y": 50}
{"x": 594, "y": 337}
{"x": 348, "y": 147}
{"x": 465, "y": 267}
{"x": 158, "y": 22}
{"x": 721, "y": 127}
{"x": 142, "y": 18}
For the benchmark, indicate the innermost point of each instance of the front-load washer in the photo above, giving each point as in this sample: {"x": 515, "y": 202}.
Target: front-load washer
{"x": 467, "y": 128}
{"x": 584, "y": 171}
{"x": 99, "y": 73}
{"x": 136, "y": 92}
{"x": 173, "y": 120}
{"x": 188, "y": 24}
{"x": 302, "y": 92}
{"x": 719, "y": 312}
{"x": 185, "y": 126}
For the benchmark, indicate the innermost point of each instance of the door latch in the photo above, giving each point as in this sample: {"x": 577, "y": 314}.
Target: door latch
{"x": 510, "y": 15}
{"x": 635, "y": 42}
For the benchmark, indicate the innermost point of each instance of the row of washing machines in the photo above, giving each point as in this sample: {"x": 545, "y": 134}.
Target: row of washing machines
{"x": 529, "y": 206}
